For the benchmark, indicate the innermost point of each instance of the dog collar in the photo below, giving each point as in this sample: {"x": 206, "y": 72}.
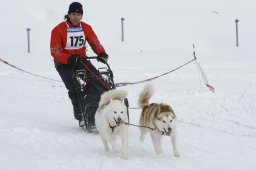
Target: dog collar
{"x": 112, "y": 127}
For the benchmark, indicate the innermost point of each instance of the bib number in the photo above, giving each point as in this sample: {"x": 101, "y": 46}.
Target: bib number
{"x": 75, "y": 38}
{"x": 76, "y": 41}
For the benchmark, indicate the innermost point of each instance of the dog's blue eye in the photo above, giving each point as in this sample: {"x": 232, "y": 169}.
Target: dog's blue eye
{"x": 122, "y": 112}
{"x": 115, "y": 112}
{"x": 170, "y": 120}
{"x": 164, "y": 121}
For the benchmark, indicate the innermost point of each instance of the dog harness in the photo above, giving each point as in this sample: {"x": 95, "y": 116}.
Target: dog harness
{"x": 112, "y": 127}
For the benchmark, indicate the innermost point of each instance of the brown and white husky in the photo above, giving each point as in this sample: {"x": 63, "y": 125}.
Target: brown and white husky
{"x": 158, "y": 116}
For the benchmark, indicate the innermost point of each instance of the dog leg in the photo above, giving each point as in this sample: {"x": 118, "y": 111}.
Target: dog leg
{"x": 115, "y": 147}
{"x": 174, "y": 144}
{"x": 125, "y": 143}
{"x": 105, "y": 144}
{"x": 143, "y": 133}
{"x": 156, "y": 140}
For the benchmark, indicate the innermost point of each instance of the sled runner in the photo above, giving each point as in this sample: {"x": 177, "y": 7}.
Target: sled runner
{"x": 90, "y": 84}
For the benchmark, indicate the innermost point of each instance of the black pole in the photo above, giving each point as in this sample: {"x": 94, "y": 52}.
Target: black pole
{"x": 28, "y": 31}
{"x": 237, "y": 43}
{"x": 122, "y": 29}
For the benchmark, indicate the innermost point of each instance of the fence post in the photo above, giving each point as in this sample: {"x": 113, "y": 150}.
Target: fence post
{"x": 28, "y": 35}
{"x": 237, "y": 43}
{"x": 122, "y": 28}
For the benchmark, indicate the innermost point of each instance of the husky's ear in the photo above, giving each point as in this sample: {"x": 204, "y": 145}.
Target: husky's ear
{"x": 158, "y": 109}
{"x": 122, "y": 100}
{"x": 110, "y": 101}
{"x": 125, "y": 102}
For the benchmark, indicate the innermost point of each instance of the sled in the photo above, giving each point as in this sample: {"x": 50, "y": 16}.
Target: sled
{"x": 89, "y": 87}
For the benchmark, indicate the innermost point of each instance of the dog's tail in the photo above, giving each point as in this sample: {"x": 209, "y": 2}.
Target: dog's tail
{"x": 112, "y": 95}
{"x": 145, "y": 95}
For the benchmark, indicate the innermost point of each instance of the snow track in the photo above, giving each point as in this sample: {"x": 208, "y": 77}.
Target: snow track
{"x": 38, "y": 130}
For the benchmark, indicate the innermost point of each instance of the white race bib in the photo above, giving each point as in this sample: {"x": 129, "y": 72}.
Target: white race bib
{"x": 75, "y": 38}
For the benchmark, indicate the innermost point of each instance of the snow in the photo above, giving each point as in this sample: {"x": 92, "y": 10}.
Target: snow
{"x": 215, "y": 130}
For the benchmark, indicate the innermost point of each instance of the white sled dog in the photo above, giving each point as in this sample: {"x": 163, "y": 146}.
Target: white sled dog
{"x": 109, "y": 118}
{"x": 158, "y": 116}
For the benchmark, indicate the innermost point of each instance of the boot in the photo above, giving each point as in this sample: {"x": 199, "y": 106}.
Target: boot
{"x": 90, "y": 111}
{"x": 77, "y": 112}
{"x": 78, "y": 116}
{"x": 76, "y": 105}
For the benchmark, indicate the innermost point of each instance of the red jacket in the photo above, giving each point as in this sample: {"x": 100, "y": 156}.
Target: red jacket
{"x": 59, "y": 40}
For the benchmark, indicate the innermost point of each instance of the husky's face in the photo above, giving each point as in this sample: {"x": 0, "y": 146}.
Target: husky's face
{"x": 165, "y": 122}
{"x": 117, "y": 112}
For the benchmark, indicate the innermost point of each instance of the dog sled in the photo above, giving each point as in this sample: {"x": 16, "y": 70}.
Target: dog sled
{"x": 90, "y": 85}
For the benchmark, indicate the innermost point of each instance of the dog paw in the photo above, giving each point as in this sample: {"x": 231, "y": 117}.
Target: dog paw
{"x": 176, "y": 154}
{"x": 116, "y": 149}
{"x": 158, "y": 153}
{"x": 125, "y": 156}
{"x": 106, "y": 146}
{"x": 142, "y": 138}
{"x": 106, "y": 149}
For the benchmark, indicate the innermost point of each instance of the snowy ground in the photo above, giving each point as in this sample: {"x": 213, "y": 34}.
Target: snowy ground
{"x": 215, "y": 130}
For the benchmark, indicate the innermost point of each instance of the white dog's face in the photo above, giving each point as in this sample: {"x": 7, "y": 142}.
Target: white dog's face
{"x": 117, "y": 112}
{"x": 165, "y": 122}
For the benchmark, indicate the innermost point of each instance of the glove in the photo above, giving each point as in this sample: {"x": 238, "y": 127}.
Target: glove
{"x": 73, "y": 59}
{"x": 102, "y": 57}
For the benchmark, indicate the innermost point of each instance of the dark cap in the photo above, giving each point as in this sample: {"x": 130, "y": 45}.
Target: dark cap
{"x": 75, "y": 7}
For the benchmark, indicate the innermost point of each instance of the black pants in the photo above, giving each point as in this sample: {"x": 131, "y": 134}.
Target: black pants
{"x": 66, "y": 72}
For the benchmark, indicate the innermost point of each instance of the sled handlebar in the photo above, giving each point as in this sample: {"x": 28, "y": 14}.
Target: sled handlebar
{"x": 96, "y": 57}
{"x": 92, "y": 57}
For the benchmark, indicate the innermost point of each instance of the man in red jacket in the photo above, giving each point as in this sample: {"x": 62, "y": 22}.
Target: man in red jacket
{"x": 68, "y": 41}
